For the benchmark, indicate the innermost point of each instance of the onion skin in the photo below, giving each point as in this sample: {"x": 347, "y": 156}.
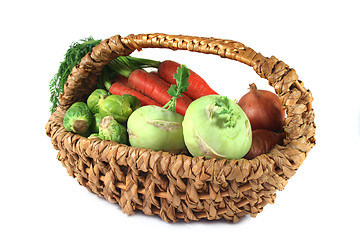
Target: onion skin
{"x": 263, "y": 108}
{"x": 263, "y": 141}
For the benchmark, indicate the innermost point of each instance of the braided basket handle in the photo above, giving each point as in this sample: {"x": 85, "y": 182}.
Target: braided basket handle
{"x": 86, "y": 73}
{"x": 297, "y": 101}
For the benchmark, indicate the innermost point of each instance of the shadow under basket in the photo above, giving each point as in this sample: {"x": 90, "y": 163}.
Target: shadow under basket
{"x": 180, "y": 187}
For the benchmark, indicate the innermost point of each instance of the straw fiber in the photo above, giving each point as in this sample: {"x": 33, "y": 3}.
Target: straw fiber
{"x": 180, "y": 187}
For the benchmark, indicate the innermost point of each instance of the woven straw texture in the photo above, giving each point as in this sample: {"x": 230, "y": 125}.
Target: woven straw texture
{"x": 180, "y": 187}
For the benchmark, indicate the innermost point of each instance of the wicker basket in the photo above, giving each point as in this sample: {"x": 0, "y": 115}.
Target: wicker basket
{"x": 178, "y": 186}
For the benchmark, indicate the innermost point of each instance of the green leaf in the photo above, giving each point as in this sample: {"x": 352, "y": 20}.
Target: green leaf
{"x": 223, "y": 102}
{"x": 182, "y": 79}
{"x": 173, "y": 91}
{"x": 182, "y": 84}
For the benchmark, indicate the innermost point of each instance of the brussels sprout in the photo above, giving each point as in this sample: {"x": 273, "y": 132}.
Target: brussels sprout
{"x": 95, "y": 99}
{"x": 95, "y": 125}
{"x": 134, "y": 101}
{"x": 78, "y": 118}
{"x": 153, "y": 127}
{"x": 110, "y": 129}
{"x": 94, "y": 136}
{"x": 116, "y": 106}
{"x": 216, "y": 127}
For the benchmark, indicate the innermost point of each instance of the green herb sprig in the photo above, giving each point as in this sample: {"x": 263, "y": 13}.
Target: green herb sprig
{"x": 73, "y": 56}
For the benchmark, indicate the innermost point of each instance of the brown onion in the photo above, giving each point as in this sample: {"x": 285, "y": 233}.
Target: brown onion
{"x": 263, "y": 108}
{"x": 263, "y": 141}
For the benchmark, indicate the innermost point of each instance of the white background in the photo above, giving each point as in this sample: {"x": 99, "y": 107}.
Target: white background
{"x": 319, "y": 39}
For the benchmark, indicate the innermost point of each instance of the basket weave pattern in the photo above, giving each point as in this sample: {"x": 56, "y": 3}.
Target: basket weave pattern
{"x": 178, "y": 186}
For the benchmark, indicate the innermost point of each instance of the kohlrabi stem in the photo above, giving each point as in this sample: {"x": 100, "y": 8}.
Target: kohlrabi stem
{"x": 232, "y": 116}
{"x": 171, "y": 105}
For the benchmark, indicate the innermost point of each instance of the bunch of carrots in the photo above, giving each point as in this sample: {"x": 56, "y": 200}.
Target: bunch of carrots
{"x": 151, "y": 87}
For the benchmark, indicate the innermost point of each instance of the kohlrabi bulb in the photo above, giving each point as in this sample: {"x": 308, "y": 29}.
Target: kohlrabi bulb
{"x": 216, "y": 127}
{"x": 153, "y": 127}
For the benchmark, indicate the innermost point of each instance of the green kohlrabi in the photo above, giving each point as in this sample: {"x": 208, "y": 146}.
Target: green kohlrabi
{"x": 157, "y": 128}
{"x": 216, "y": 127}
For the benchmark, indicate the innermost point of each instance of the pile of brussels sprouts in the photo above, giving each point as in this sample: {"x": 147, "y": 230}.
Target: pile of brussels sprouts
{"x": 103, "y": 116}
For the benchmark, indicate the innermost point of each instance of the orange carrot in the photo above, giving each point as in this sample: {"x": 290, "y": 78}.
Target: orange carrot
{"x": 197, "y": 86}
{"x": 154, "y": 72}
{"x": 118, "y": 88}
{"x": 123, "y": 80}
{"x": 165, "y": 82}
{"x": 153, "y": 87}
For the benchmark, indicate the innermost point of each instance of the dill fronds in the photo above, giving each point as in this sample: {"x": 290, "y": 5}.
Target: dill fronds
{"x": 73, "y": 56}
